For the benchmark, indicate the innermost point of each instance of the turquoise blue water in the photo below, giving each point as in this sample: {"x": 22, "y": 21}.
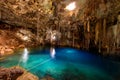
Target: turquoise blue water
{"x": 64, "y": 64}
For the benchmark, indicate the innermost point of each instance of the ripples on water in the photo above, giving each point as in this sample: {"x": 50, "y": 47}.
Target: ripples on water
{"x": 64, "y": 64}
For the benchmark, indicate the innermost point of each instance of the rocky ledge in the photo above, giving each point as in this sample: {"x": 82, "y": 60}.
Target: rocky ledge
{"x": 10, "y": 73}
{"x": 8, "y": 43}
{"x": 16, "y": 73}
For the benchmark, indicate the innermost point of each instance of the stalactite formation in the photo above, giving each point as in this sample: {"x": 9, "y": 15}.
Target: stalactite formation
{"x": 94, "y": 24}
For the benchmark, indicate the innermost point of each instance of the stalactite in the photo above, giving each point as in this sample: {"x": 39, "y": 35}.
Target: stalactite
{"x": 100, "y": 34}
{"x": 115, "y": 42}
{"x": 96, "y": 32}
{"x": 88, "y": 34}
{"x": 108, "y": 45}
{"x": 104, "y": 33}
{"x": 118, "y": 31}
{"x": 37, "y": 25}
{"x": 88, "y": 26}
{"x": 55, "y": 8}
{"x": 104, "y": 27}
{"x": 73, "y": 39}
{"x": 84, "y": 42}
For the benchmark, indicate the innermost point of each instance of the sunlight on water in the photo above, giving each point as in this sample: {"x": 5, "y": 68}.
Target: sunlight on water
{"x": 25, "y": 56}
{"x": 52, "y": 52}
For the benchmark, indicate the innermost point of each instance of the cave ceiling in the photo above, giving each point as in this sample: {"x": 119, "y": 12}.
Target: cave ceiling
{"x": 30, "y": 12}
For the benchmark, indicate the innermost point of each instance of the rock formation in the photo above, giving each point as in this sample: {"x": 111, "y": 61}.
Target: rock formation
{"x": 10, "y": 74}
{"x": 86, "y": 27}
{"x": 16, "y": 73}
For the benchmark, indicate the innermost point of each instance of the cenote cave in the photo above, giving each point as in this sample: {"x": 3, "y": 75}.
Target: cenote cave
{"x": 59, "y": 39}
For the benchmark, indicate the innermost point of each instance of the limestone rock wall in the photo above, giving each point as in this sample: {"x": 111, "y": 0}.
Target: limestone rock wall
{"x": 85, "y": 27}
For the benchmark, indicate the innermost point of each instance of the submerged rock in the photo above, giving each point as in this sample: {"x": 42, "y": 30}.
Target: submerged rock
{"x": 16, "y": 73}
{"x": 27, "y": 75}
{"x": 10, "y": 73}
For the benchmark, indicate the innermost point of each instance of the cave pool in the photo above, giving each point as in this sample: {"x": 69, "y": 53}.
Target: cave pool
{"x": 63, "y": 63}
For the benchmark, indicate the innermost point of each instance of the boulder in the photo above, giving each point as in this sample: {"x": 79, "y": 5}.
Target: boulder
{"x": 10, "y": 73}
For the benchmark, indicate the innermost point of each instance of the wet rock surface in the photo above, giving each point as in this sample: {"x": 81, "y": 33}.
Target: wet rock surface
{"x": 10, "y": 73}
{"x": 16, "y": 73}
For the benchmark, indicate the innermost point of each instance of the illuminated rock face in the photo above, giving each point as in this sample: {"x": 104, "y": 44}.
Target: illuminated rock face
{"x": 118, "y": 18}
{"x": 77, "y": 26}
{"x": 114, "y": 34}
{"x": 71, "y": 6}
{"x": 25, "y": 35}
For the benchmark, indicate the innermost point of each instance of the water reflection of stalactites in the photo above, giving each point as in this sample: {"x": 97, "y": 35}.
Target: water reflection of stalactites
{"x": 24, "y": 57}
{"x": 52, "y": 52}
